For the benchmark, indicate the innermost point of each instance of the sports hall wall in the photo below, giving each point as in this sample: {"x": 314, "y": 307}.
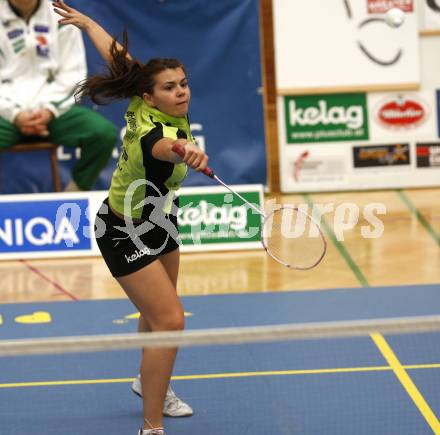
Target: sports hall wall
{"x": 219, "y": 45}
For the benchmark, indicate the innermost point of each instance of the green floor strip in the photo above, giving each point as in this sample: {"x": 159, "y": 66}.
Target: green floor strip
{"x": 340, "y": 247}
{"x": 419, "y": 216}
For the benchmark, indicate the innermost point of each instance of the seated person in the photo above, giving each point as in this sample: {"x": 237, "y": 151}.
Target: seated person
{"x": 41, "y": 63}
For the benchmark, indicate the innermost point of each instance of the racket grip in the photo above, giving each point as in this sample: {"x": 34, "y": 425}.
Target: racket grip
{"x": 180, "y": 151}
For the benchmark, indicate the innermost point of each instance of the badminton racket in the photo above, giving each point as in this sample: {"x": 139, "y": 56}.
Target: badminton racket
{"x": 289, "y": 235}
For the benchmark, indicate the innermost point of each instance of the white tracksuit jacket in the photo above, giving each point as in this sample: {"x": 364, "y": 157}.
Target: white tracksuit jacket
{"x": 40, "y": 62}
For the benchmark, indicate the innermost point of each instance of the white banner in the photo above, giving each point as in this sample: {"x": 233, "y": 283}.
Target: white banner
{"x": 326, "y": 45}
{"x": 399, "y": 146}
{"x": 323, "y": 167}
{"x": 429, "y": 15}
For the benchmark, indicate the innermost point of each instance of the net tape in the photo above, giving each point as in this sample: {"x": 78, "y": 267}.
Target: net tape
{"x": 199, "y": 337}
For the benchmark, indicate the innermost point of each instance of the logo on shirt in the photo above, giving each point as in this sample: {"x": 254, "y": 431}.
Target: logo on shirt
{"x": 42, "y": 46}
{"x": 18, "y": 45}
{"x": 14, "y": 33}
{"x": 41, "y": 29}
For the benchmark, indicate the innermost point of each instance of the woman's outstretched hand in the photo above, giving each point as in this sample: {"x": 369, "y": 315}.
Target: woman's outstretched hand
{"x": 99, "y": 36}
{"x": 191, "y": 154}
{"x": 71, "y": 16}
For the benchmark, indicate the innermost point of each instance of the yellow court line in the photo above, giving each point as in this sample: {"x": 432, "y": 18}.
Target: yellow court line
{"x": 421, "y": 366}
{"x": 219, "y": 376}
{"x": 279, "y": 373}
{"x": 69, "y": 382}
{"x": 406, "y": 382}
{"x": 195, "y": 377}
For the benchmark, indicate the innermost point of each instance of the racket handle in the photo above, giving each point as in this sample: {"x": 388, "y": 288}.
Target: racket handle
{"x": 180, "y": 151}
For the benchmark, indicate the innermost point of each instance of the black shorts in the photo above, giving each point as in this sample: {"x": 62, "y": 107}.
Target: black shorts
{"x": 126, "y": 247}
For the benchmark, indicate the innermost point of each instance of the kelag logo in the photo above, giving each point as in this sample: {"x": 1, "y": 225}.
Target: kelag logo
{"x": 326, "y": 118}
{"x": 44, "y": 226}
{"x": 218, "y": 217}
{"x": 381, "y": 155}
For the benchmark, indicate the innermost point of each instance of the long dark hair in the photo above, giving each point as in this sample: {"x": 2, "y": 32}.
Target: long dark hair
{"x": 124, "y": 77}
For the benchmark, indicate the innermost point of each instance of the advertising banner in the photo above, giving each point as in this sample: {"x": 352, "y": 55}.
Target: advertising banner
{"x": 381, "y": 6}
{"x": 381, "y": 156}
{"x": 317, "y": 167}
{"x": 325, "y": 118}
{"x": 44, "y": 226}
{"x": 399, "y": 115}
{"x": 398, "y": 141}
{"x": 428, "y": 155}
{"x": 61, "y": 225}
{"x": 210, "y": 219}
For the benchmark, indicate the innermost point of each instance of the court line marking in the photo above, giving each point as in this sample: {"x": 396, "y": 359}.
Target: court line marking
{"x": 223, "y": 375}
{"x": 54, "y": 283}
{"x": 407, "y": 383}
{"x": 415, "y": 211}
{"x": 340, "y": 247}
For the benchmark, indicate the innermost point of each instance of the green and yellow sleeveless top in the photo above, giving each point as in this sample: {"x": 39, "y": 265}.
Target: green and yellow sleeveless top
{"x": 139, "y": 179}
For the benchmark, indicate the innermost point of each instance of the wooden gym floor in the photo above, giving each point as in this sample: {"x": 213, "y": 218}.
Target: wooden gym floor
{"x": 407, "y": 253}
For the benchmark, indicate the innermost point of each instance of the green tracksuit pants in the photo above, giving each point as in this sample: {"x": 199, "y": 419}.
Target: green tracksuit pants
{"x": 78, "y": 127}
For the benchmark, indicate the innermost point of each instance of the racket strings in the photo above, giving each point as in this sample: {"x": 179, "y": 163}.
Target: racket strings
{"x": 293, "y": 238}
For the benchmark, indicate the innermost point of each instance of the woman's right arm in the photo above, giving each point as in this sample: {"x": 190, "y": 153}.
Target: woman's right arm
{"x": 100, "y": 38}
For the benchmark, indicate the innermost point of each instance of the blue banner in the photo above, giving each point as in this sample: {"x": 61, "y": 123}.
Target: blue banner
{"x": 36, "y": 226}
{"x": 219, "y": 44}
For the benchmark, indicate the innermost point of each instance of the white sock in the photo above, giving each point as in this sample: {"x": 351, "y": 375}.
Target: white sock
{"x": 151, "y": 431}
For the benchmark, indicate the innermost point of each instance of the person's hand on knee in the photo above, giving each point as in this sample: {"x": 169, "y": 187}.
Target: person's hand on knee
{"x": 43, "y": 117}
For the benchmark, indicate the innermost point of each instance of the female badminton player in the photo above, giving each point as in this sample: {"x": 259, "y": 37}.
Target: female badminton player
{"x": 136, "y": 226}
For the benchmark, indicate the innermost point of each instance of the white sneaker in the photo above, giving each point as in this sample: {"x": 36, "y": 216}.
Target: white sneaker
{"x": 172, "y": 407}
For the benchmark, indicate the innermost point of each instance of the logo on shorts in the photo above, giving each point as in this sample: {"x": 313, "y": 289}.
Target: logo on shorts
{"x": 137, "y": 254}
